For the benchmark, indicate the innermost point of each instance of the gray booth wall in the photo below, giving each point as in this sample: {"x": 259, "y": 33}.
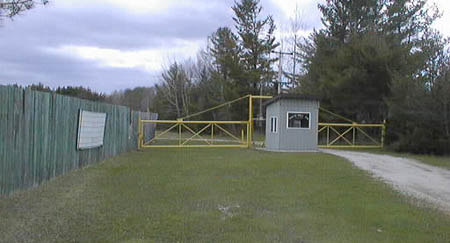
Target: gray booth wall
{"x": 294, "y": 139}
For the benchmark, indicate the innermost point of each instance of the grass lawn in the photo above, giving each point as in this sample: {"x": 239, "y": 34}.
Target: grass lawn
{"x": 440, "y": 161}
{"x": 218, "y": 195}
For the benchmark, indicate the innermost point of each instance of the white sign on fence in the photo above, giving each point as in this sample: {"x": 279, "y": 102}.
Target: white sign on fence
{"x": 91, "y": 129}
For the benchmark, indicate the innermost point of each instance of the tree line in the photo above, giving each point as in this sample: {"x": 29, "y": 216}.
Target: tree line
{"x": 381, "y": 60}
{"x": 138, "y": 99}
{"x": 373, "y": 60}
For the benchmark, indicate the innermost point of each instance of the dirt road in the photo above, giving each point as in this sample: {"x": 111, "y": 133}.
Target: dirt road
{"x": 407, "y": 175}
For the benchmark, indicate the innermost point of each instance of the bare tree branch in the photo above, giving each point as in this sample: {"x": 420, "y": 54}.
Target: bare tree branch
{"x": 11, "y": 8}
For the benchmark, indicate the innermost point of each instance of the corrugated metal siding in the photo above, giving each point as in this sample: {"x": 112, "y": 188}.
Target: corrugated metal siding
{"x": 293, "y": 139}
{"x": 38, "y": 135}
{"x": 299, "y": 139}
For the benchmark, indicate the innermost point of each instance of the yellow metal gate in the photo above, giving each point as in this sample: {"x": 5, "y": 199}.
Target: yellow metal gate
{"x": 350, "y": 134}
{"x": 212, "y": 134}
{"x": 216, "y": 133}
{"x": 204, "y": 135}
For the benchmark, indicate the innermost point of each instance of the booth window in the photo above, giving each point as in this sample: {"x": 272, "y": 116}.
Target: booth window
{"x": 273, "y": 124}
{"x": 298, "y": 120}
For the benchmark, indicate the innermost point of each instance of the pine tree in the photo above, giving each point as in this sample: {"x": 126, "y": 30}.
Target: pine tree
{"x": 380, "y": 60}
{"x": 257, "y": 41}
{"x": 225, "y": 51}
{"x": 366, "y": 44}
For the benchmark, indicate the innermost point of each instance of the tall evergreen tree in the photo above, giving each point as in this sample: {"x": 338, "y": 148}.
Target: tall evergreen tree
{"x": 257, "y": 40}
{"x": 381, "y": 59}
{"x": 344, "y": 18}
{"x": 364, "y": 46}
{"x": 419, "y": 107}
{"x": 225, "y": 51}
{"x": 229, "y": 74}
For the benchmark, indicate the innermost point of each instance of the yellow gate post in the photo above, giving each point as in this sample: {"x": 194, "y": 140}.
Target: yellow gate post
{"x": 250, "y": 114}
{"x": 139, "y": 133}
{"x": 212, "y": 133}
{"x": 383, "y": 133}
{"x": 250, "y": 120}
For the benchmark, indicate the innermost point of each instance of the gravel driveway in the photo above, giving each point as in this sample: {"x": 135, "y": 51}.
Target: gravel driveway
{"x": 407, "y": 175}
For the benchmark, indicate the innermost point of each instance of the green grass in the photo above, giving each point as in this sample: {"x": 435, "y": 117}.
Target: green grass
{"x": 440, "y": 161}
{"x": 178, "y": 195}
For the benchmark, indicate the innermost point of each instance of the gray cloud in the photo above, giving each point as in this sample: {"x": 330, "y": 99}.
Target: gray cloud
{"x": 111, "y": 27}
{"x": 23, "y": 41}
{"x": 309, "y": 15}
{"x": 55, "y": 70}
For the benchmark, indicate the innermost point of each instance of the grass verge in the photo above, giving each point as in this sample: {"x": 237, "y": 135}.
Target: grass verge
{"x": 218, "y": 195}
{"x": 440, "y": 161}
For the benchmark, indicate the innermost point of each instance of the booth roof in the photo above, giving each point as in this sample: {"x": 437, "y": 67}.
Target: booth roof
{"x": 290, "y": 97}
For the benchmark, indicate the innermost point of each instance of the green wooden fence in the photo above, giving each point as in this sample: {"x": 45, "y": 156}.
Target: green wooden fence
{"x": 38, "y": 136}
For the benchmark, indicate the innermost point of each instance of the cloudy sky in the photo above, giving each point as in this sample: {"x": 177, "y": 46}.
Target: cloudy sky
{"x": 115, "y": 44}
